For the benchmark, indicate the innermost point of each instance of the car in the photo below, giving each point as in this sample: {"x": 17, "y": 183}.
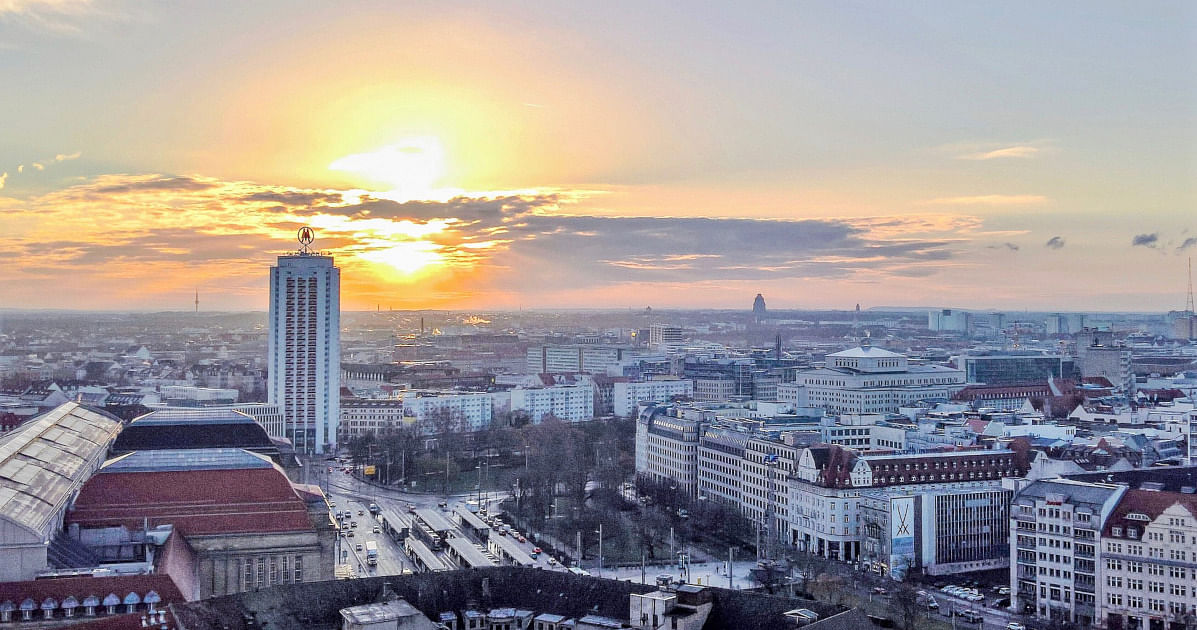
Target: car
{"x": 353, "y": 524}
{"x": 949, "y": 588}
{"x": 552, "y": 562}
{"x": 361, "y": 512}
{"x": 350, "y": 533}
{"x": 332, "y": 504}
{"x": 1014, "y": 625}
{"x": 344, "y": 533}
{"x": 879, "y": 590}
{"x": 520, "y": 537}
{"x": 970, "y": 616}
{"x": 411, "y": 508}
{"x": 1003, "y": 590}
{"x": 377, "y": 529}
{"x": 537, "y": 550}
{"x": 358, "y": 546}
{"x": 932, "y": 604}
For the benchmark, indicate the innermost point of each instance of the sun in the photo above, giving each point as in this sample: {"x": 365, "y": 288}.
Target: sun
{"x": 412, "y": 167}
{"x": 407, "y": 257}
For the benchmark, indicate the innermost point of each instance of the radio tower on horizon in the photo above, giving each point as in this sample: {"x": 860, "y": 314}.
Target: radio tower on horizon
{"x": 1189, "y": 300}
{"x": 197, "y": 300}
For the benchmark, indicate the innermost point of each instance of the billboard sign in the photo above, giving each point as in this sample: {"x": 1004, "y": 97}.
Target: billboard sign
{"x": 901, "y": 536}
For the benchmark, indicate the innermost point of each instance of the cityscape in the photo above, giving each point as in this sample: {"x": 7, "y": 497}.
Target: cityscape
{"x": 679, "y": 347}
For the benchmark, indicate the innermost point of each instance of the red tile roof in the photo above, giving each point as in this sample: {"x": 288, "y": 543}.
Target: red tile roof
{"x": 85, "y": 586}
{"x": 194, "y": 501}
{"x": 1149, "y": 503}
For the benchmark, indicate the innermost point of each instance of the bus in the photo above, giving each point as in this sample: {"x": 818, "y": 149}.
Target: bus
{"x": 371, "y": 553}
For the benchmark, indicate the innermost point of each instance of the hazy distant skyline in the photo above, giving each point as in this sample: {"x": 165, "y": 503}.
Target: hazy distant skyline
{"x": 1010, "y": 155}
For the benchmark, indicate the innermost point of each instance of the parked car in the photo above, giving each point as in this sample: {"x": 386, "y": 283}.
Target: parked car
{"x": 970, "y": 616}
{"x": 377, "y": 529}
{"x": 1014, "y": 625}
{"x": 358, "y": 546}
{"x": 537, "y": 550}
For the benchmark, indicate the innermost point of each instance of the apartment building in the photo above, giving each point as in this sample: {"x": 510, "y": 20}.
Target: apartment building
{"x": 570, "y": 403}
{"x": 626, "y": 396}
{"x": 1148, "y": 548}
{"x": 1054, "y": 527}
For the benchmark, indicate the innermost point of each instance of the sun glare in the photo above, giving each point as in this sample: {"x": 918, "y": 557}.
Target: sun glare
{"x": 408, "y": 257}
{"x": 412, "y": 167}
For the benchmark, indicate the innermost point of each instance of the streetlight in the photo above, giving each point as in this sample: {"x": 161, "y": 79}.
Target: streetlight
{"x": 600, "y": 535}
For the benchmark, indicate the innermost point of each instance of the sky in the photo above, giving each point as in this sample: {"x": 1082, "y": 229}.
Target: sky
{"x": 483, "y": 155}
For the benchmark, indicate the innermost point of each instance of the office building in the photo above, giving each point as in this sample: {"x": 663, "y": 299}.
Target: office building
{"x": 659, "y": 334}
{"x": 828, "y": 481}
{"x": 304, "y": 347}
{"x": 667, "y": 448}
{"x": 1013, "y": 368}
{"x": 938, "y": 532}
{"x": 873, "y": 380}
{"x": 589, "y": 358}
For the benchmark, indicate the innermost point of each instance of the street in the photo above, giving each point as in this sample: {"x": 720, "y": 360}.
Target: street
{"x": 353, "y": 494}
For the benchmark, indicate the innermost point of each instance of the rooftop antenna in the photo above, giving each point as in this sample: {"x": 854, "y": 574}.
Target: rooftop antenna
{"x": 197, "y": 300}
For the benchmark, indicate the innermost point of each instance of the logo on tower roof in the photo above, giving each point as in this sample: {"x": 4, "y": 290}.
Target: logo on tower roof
{"x": 306, "y": 236}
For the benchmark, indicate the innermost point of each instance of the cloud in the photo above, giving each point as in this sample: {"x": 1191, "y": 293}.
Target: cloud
{"x": 1008, "y": 245}
{"x": 131, "y": 234}
{"x": 1055, "y": 242}
{"x": 39, "y": 166}
{"x": 59, "y": 16}
{"x": 63, "y": 157}
{"x": 1189, "y": 242}
{"x": 3, "y": 178}
{"x": 988, "y": 200}
{"x": 1018, "y": 151}
{"x": 1145, "y": 240}
{"x": 21, "y": 168}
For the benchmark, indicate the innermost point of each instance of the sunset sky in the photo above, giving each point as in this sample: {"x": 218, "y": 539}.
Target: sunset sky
{"x": 1015, "y": 155}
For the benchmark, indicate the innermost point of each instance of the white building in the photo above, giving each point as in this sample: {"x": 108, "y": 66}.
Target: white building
{"x": 667, "y": 448}
{"x": 571, "y": 403}
{"x": 360, "y": 416}
{"x": 873, "y": 380}
{"x": 626, "y": 396}
{"x": 436, "y": 411}
{"x": 1149, "y": 568}
{"x": 1054, "y": 556}
{"x": 304, "y": 348}
{"x": 595, "y": 359}
{"x": 661, "y": 334}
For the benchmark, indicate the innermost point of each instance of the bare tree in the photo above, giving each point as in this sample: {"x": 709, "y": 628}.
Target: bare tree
{"x": 905, "y": 604}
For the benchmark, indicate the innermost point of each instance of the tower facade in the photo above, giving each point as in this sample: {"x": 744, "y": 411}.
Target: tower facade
{"x": 304, "y": 347}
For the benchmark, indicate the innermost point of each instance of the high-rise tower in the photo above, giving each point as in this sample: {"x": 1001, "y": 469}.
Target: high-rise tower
{"x": 304, "y": 346}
